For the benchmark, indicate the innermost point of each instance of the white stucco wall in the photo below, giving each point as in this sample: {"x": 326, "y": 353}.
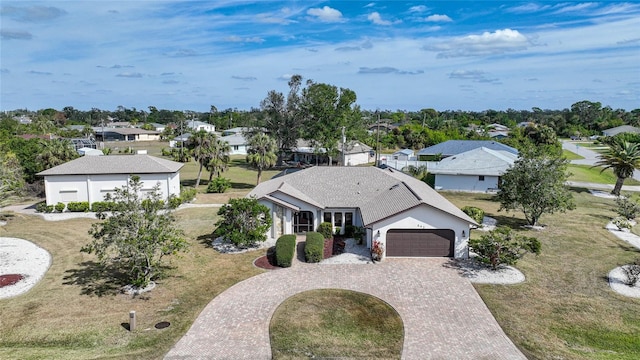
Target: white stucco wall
{"x": 92, "y": 188}
{"x": 242, "y": 150}
{"x": 465, "y": 182}
{"x": 424, "y": 217}
{"x": 356, "y": 159}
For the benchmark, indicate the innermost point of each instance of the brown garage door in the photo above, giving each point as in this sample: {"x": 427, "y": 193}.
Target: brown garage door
{"x": 410, "y": 242}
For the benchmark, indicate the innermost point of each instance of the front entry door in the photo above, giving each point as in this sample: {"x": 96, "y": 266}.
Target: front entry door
{"x": 302, "y": 222}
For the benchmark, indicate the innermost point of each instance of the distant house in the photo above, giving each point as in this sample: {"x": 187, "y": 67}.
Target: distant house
{"x": 199, "y": 125}
{"x": 119, "y": 124}
{"x": 621, "y": 129}
{"x": 404, "y": 154}
{"x": 79, "y": 143}
{"x": 235, "y": 130}
{"x": 498, "y": 127}
{"x": 355, "y": 153}
{"x": 455, "y": 147}
{"x": 158, "y": 127}
{"x": 125, "y": 134}
{"x": 479, "y": 169}
{"x": 90, "y": 178}
{"x": 85, "y": 151}
{"x": 237, "y": 143}
{"x": 382, "y": 127}
{"x": 498, "y": 134}
{"x": 406, "y": 216}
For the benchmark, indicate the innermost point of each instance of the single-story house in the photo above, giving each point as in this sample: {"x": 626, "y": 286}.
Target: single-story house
{"x": 382, "y": 127}
{"x": 355, "y": 153}
{"x": 475, "y": 170}
{"x": 79, "y": 143}
{"x": 125, "y": 134}
{"x": 158, "y": 127}
{"x": 90, "y": 178}
{"x": 235, "y": 130}
{"x": 199, "y": 125}
{"x": 498, "y": 134}
{"x": 404, "y": 154}
{"x": 237, "y": 143}
{"x": 455, "y": 147}
{"x": 119, "y": 124}
{"x": 87, "y": 151}
{"x": 404, "y": 214}
{"x": 621, "y": 129}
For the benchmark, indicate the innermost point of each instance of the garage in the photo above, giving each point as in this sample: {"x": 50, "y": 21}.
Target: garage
{"x": 420, "y": 243}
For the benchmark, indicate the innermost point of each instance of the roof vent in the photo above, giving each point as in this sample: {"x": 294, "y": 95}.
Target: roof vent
{"x": 394, "y": 186}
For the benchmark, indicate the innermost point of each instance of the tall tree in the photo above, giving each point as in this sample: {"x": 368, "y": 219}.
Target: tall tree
{"x": 326, "y": 110}
{"x": 218, "y": 160}
{"x": 623, "y": 157}
{"x": 138, "y": 235}
{"x": 536, "y": 186}
{"x": 283, "y": 117}
{"x": 55, "y": 152}
{"x": 261, "y": 153}
{"x": 11, "y": 178}
{"x": 200, "y": 144}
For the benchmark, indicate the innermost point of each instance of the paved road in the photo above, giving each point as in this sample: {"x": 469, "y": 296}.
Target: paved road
{"x": 443, "y": 315}
{"x": 590, "y": 156}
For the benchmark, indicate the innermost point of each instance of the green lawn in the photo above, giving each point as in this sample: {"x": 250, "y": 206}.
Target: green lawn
{"x": 586, "y": 173}
{"x": 571, "y": 155}
{"x": 333, "y": 323}
{"x": 565, "y": 309}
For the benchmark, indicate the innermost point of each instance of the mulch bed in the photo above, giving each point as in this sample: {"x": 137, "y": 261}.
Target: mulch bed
{"x": 268, "y": 261}
{"x": 338, "y": 245}
{"x": 10, "y": 279}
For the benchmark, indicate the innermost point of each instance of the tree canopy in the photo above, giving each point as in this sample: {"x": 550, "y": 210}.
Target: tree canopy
{"x": 623, "y": 157}
{"x": 243, "y": 222}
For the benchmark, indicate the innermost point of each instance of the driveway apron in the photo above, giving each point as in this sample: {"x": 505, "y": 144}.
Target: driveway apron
{"x": 443, "y": 315}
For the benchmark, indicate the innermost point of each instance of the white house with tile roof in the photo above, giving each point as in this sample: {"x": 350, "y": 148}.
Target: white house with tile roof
{"x": 477, "y": 170}
{"x": 405, "y": 215}
{"x": 90, "y": 178}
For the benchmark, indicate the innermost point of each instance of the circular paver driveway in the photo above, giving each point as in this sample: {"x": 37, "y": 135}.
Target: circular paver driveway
{"x": 443, "y": 316}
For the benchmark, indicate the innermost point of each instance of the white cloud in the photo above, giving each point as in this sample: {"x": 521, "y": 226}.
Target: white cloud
{"x": 370, "y": 5}
{"x": 326, "y": 14}
{"x": 418, "y": 9}
{"x": 564, "y": 8}
{"x": 527, "y": 8}
{"x": 375, "y": 18}
{"x": 473, "y": 75}
{"x": 489, "y": 43}
{"x": 438, "y": 18}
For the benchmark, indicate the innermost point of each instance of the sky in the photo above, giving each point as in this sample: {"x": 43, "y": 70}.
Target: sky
{"x": 396, "y": 55}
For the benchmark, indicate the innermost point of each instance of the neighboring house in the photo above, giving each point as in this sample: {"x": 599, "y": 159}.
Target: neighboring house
{"x": 498, "y": 134}
{"x": 382, "y": 127}
{"x": 498, "y": 127}
{"x": 158, "y": 127}
{"x": 455, "y": 147}
{"x": 235, "y": 130}
{"x": 196, "y": 126}
{"x": 621, "y": 129}
{"x": 90, "y": 178}
{"x": 403, "y": 155}
{"x": 475, "y": 170}
{"x": 179, "y": 140}
{"x": 404, "y": 214}
{"x": 237, "y": 143}
{"x": 119, "y": 124}
{"x": 355, "y": 153}
{"x": 125, "y": 134}
{"x": 79, "y": 143}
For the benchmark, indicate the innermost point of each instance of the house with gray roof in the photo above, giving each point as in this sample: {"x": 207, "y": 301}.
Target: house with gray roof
{"x": 406, "y": 216}
{"x": 455, "y": 147}
{"x": 477, "y": 170}
{"x": 237, "y": 143}
{"x": 620, "y": 130}
{"x": 196, "y": 126}
{"x": 125, "y": 134}
{"x": 353, "y": 153}
{"x": 90, "y": 178}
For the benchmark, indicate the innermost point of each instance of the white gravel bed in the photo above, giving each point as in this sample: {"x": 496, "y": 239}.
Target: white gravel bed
{"x": 616, "y": 282}
{"x": 353, "y": 254}
{"x": 228, "y": 248}
{"x": 480, "y": 273}
{"x": 67, "y": 216}
{"x": 624, "y": 235}
{"x": 602, "y": 194}
{"x": 488, "y": 224}
{"x": 22, "y": 257}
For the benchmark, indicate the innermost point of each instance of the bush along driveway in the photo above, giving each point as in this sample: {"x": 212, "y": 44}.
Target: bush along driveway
{"x": 443, "y": 315}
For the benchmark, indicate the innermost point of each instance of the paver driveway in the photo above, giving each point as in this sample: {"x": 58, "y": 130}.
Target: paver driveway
{"x": 443, "y": 316}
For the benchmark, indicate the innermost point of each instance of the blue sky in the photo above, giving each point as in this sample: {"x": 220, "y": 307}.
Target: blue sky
{"x": 446, "y": 55}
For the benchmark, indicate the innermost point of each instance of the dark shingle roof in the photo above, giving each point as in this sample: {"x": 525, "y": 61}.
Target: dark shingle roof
{"x": 378, "y": 193}
{"x": 114, "y": 164}
{"x": 455, "y": 147}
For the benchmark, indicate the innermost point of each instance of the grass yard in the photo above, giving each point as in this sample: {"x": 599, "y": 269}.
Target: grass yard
{"x": 565, "y": 309}
{"x": 333, "y": 323}
{"x": 69, "y": 315}
{"x": 571, "y": 155}
{"x": 586, "y": 173}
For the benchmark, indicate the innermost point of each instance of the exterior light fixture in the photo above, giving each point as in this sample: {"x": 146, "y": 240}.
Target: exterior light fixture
{"x": 463, "y": 234}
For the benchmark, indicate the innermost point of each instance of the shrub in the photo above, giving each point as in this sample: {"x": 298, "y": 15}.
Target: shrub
{"x": 42, "y": 207}
{"x": 621, "y": 222}
{"x": 627, "y": 208}
{"x": 377, "y": 251}
{"x": 175, "y": 202}
{"x": 337, "y": 230}
{"x": 60, "y": 207}
{"x": 632, "y": 273}
{"x": 243, "y": 222}
{"x": 218, "y": 185}
{"x": 187, "y": 194}
{"x": 285, "y": 250}
{"x": 314, "y": 247}
{"x": 355, "y": 232}
{"x": 78, "y": 206}
{"x": 102, "y": 206}
{"x": 503, "y": 247}
{"x": 475, "y": 213}
{"x": 165, "y": 152}
{"x": 325, "y": 229}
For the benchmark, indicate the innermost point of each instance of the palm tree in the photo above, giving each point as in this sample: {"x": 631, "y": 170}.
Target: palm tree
{"x": 418, "y": 172}
{"x": 219, "y": 159}
{"x": 200, "y": 145}
{"x": 623, "y": 157}
{"x": 55, "y": 152}
{"x": 261, "y": 153}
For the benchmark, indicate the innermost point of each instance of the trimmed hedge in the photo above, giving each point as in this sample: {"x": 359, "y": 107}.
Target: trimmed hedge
{"x": 326, "y": 229}
{"x": 314, "y": 247}
{"x": 60, "y": 207}
{"x": 475, "y": 213}
{"x": 102, "y": 206}
{"x": 285, "y": 250}
{"x": 78, "y": 206}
